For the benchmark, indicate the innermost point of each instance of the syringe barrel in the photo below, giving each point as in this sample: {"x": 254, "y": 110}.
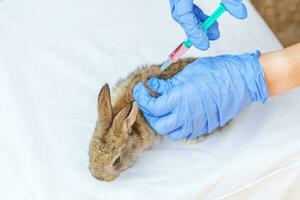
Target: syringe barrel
{"x": 178, "y": 52}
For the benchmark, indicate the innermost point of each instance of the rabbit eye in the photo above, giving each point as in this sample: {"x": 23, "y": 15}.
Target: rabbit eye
{"x": 117, "y": 162}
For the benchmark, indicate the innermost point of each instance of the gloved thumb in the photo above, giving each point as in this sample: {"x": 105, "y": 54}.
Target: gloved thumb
{"x": 236, "y": 8}
{"x": 155, "y": 106}
{"x": 160, "y": 86}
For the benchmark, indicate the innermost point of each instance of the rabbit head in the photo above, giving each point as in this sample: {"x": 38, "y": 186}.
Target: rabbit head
{"x": 113, "y": 146}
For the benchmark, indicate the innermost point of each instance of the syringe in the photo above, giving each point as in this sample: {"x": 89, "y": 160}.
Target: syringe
{"x": 184, "y": 46}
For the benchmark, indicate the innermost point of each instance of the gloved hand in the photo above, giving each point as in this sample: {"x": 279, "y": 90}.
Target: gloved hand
{"x": 190, "y": 18}
{"x": 204, "y": 96}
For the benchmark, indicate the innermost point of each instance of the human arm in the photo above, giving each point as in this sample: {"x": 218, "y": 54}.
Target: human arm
{"x": 211, "y": 91}
{"x": 282, "y": 69}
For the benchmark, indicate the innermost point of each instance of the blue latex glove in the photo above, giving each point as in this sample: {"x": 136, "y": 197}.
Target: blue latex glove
{"x": 190, "y": 18}
{"x": 204, "y": 96}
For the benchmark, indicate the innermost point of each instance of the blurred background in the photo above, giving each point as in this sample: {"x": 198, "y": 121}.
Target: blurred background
{"x": 283, "y": 17}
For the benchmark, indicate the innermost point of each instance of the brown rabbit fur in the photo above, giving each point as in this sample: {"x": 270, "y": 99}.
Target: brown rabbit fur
{"x": 121, "y": 131}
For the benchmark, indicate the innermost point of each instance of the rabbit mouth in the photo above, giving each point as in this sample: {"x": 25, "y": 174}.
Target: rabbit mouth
{"x": 110, "y": 179}
{"x": 106, "y": 178}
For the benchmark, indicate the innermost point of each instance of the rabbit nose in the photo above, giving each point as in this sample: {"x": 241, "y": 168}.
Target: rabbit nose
{"x": 96, "y": 175}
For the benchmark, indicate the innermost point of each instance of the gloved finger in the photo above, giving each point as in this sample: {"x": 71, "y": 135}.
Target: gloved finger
{"x": 236, "y": 8}
{"x": 159, "y": 85}
{"x": 178, "y": 134}
{"x": 151, "y": 119}
{"x": 197, "y": 36}
{"x": 163, "y": 124}
{"x": 182, "y": 12}
{"x": 142, "y": 96}
{"x": 166, "y": 124}
{"x": 213, "y": 32}
{"x": 150, "y": 105}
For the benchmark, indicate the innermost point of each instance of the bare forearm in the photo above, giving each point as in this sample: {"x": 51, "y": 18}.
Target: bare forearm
{"x": 282, "y": 69}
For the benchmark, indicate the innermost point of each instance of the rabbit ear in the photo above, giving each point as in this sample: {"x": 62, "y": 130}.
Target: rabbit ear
{"x": 125, "y": 119}
{"x": 105, "y": 112}
{"x": 129, "y": 121}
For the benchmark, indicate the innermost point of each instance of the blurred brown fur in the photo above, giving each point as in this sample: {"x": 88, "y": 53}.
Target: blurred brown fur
{"x": 283, "y": 17}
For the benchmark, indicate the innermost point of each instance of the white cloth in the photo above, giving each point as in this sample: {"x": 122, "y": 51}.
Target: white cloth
{"x": 55, "y": 56}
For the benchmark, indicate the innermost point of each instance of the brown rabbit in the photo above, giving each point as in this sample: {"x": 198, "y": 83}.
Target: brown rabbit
{"x": 121, "y": 131}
